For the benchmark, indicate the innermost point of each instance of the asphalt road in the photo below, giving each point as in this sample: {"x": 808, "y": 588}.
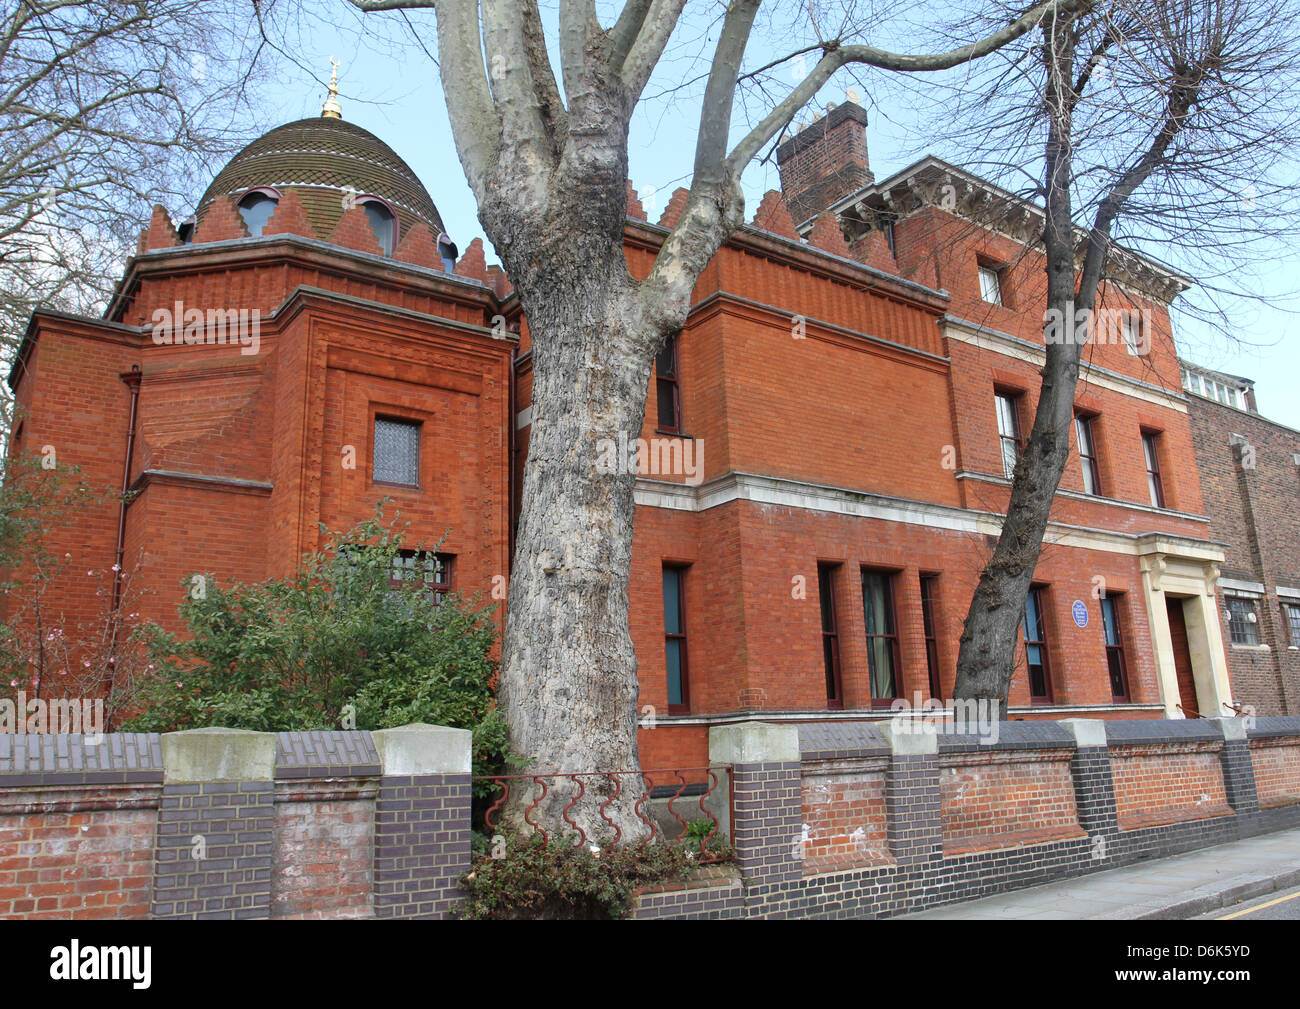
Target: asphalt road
{"x": 1283, "y": 906}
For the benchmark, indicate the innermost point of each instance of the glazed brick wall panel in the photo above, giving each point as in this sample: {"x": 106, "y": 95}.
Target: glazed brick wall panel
{"x": 706, "y": 902}
{"x": 214, "y": 850}
{"x": 1094, "y": 790}
{"x": 422, "y": 845}
{"x": 913, "y": 809}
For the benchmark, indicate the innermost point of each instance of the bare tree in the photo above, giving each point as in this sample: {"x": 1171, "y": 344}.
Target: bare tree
{"x": 105, "y": 109}
{"x": 1164, "y": 126}
{"x": 545, "y": 153}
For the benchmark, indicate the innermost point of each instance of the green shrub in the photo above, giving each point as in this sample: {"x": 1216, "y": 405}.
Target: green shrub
{"x": 558, "y": 880}
{"x": 337, "y": 645}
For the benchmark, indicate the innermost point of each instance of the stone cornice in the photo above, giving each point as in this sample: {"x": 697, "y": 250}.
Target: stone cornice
{"x": 787, "y": 493}
{"x": 933, "y": 182}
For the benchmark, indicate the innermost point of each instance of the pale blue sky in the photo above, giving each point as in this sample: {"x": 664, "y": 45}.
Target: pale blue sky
{"x": 400, "y": 100}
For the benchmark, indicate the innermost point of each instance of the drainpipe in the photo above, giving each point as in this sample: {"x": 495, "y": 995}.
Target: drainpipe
{"x": 132, "y": 380}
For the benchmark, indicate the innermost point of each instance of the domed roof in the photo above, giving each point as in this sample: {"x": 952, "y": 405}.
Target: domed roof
{"x": 322, "y": 159}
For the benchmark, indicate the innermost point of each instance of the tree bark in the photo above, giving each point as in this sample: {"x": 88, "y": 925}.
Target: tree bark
{"x": 986, "y": 658}
{"x": 569, "y": 684}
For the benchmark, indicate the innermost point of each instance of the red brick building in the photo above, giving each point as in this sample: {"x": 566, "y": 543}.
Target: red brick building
{"x": 828, "y": 440}
{"x": 1250, "y": 480}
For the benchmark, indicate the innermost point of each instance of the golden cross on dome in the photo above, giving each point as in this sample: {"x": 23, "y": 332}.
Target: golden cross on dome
{"x": 331, "y": 108}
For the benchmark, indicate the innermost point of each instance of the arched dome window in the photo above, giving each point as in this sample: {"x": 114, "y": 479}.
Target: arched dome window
{"x": 448, "y": 252}
{"x": 256, "y": 208}
{"x": 383, "y": 221}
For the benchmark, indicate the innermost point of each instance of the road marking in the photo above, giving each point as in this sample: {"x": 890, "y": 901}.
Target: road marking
{"x": 1258, "y": 907}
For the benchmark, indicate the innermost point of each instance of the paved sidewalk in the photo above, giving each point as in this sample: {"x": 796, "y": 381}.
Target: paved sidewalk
{"x": 1162, "y": 888}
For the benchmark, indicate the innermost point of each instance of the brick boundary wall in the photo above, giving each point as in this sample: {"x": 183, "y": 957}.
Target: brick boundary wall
{"x": 223, "y": 823}
{"x": 360, "y": 824}
{"x": 922, "y": 876}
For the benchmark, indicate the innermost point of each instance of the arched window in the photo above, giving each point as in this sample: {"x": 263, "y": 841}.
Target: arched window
{"x": 383, "y": 221}
{"x": 448, "y": 252}
{"x": 256, "y": 208}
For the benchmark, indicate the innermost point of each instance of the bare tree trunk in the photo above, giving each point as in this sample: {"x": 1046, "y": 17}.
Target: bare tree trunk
{"x": 569, "y": 683}
{"x": 549, "y": 181}
{"x": 986, "y": 658}
{"x": 985, "y": 661}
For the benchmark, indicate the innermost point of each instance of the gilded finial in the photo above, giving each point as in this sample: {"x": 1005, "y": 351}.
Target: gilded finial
{"x": 331, "y": 108}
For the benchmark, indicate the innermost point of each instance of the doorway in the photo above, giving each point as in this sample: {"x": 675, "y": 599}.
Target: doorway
{"x": 1182, "y": 658}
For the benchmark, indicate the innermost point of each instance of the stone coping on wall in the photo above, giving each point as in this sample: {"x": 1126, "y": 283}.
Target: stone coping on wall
{"x": 1011, "y": 839}
{"x": 331, "y": 753}
{"x": 1010, "y": 736}
{"x": 840, "y": 740}
{"x": 1274, "y": 725}
{"x": 135, "y": 758}
{"x": 1158, "y": 731}
{"x": 28, "y": 759}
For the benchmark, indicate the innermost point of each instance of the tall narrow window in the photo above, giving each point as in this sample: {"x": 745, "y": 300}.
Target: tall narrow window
{"x": 1114, "y": 649}
{"x": 668, "y": 388}
{"x": 990, "y": 284}
{"x": 1133, "y": 336}
{"x": 1150, "y": 450}
{"x": 1008, "y": 407}
{"x": 1291, "y": 611}
{"x": 382, "y": 222}
{"x": 1040, "y": 677}
{"x": 1084, "y": 430}
{"x": 397, "y": 452}
{"x": 679, "y": 698}
{"x": 830, "y": 635}
{"x": 882, "y": 635}
{"x": 1242, "y": 620}
{"x": 931, "y": 645}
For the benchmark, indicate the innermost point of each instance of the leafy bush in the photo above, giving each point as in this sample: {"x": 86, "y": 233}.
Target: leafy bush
{"x": 536, "y": 881}
{"x": 335, "y": 645}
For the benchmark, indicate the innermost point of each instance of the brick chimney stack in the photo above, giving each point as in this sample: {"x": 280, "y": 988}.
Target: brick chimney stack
{"x": 825, "y": 161}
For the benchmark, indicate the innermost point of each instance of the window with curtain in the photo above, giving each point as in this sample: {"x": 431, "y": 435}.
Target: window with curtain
{"x": 928, "y": 583}
{"x": 882, "y": 635}
{"x": 1151, "y": 453}
{"x": 1085, "y": 433}
{"x": 1008, "y": 408}
{"x": 991, "y": 284}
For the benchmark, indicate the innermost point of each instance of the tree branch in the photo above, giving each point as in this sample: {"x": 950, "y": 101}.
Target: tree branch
{"x": 837, "y": 56}
{"x": 476, "y": 128}
{"x": 645, "y": 51}
{"x": 719, "y": 94}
